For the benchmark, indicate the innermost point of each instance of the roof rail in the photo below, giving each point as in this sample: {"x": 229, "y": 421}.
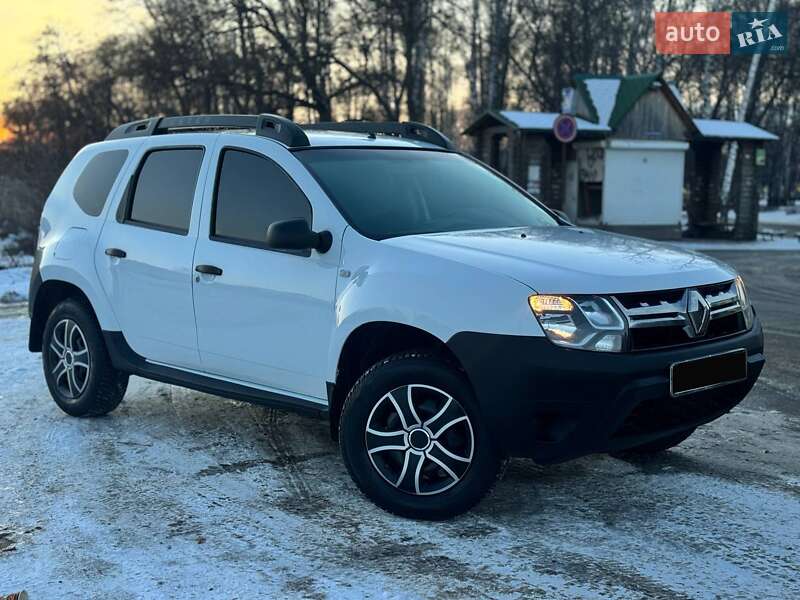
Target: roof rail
{"x": 408, "y": 129}
{"x": 266, "y": 125}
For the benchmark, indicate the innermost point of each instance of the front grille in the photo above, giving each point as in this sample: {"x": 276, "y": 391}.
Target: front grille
{"x": 663, "y": 319}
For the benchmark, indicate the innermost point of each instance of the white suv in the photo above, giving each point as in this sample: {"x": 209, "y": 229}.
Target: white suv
{"x": 367, "y": 273}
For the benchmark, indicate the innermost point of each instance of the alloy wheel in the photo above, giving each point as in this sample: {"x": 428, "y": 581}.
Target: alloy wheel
{"x": 420, "y": 439}
{"x": 69, "y": 357}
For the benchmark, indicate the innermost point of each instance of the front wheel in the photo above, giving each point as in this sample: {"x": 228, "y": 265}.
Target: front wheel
{"x": 413, "y": 441}
{"x": 76, "y": 364}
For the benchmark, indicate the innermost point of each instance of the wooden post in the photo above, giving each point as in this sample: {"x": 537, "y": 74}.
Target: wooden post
{"x": 747, "y": 203}
{"x": 733, "y": 147}
{"x": 563, "y": 193}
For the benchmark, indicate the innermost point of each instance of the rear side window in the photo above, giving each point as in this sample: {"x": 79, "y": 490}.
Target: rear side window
{"x": 95, "y": 181}
{"x": 253, "y": 192}
{"x": 164, "y": 190}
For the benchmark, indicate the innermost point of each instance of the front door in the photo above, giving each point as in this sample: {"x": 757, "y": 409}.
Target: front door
{"x": 144, "y": 258}
{"x": 264, "y": 317}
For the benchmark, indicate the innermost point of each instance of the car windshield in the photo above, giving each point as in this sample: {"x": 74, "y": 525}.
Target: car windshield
{"x": 389, "y": 193}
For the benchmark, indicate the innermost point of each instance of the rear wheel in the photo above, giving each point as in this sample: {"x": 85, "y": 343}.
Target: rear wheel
{"x": 655, "y": 447}
{"x": 412, "y": 439}
{"x": 76, "y": 364}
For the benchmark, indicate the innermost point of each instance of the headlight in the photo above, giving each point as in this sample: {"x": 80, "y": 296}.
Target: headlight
{"x": 744, "y": 302}
{"x": 582, "y": 322}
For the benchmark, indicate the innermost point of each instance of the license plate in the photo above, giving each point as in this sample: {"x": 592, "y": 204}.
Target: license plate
{"x": 707, "y": 372}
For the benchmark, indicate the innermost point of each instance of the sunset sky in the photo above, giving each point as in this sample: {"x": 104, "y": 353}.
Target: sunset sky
{"x": 81, "y": 22}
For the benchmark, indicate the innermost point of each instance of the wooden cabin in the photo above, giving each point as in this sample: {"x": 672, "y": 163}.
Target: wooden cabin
{"x": 705, "y": 168}
{"x": 639, "y": 159}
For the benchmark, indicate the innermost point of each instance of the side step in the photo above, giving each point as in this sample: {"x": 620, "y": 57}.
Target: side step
{"x": 125, "y": 359}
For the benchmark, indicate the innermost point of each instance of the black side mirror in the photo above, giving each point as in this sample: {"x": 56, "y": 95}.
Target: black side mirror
{"x": 295, "y": 234}
{"x": 563, "y": 216}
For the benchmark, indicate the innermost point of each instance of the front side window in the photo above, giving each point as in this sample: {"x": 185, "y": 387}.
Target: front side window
{"x": 164, "y": 189}
{"x": 95, "y": 181}
{"x": 253, "y": 192}
{"x": 389, "y": 193}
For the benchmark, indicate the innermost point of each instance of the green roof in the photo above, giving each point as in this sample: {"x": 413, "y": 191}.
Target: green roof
{"x": 602, "y": 102}
{"x": 630, "y": 89}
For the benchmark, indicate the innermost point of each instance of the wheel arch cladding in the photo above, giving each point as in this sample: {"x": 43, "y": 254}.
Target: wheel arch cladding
{"x": 369, "y": 343}
{"x": 48, "y": 296}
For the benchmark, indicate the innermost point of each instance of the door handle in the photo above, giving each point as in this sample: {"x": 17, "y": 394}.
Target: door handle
{"x": 116, "y": 252}
{"x": 208, "y": 270}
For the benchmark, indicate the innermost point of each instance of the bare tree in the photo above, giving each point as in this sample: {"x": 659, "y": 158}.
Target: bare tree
{"x": 375, "y": 59}
{"x": 303, "y": 31}
{"x": 491, "y": 32}
{"x": 390, "y": 52}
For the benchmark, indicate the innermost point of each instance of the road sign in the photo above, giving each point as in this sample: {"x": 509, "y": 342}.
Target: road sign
{"x": 565, "y": 128}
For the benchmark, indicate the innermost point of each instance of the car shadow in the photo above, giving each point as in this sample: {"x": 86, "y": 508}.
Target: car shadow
{"x": 239, "y": 437}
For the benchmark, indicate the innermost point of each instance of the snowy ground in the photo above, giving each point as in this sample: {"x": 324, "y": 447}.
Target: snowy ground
{"x": 14, "y": 284}
{"x": 780, "y": 217}
{"x": 778, "y": 222}
{"x": 781, "y": 244}
{"x": 181, "y": 494}
{"x": 8, "y": 258}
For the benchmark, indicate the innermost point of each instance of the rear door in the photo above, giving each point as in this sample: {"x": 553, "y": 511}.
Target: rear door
{"x": 144, "y": 256}
{"x": 268, "y": 316}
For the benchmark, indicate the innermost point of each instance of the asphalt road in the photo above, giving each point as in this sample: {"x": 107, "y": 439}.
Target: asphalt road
{"x": 181, "y": 494}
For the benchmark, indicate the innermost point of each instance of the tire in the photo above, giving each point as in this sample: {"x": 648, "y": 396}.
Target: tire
{"x": 402, "y": 472}
{"x": 76, "y": 364}
{"x": 656, "y": 446}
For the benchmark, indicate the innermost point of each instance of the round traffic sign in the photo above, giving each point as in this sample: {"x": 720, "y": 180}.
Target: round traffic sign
{"x": 565, "y": 128}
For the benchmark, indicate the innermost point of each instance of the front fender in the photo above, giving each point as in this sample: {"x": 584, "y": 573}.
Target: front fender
{"x": 440, "y": 296}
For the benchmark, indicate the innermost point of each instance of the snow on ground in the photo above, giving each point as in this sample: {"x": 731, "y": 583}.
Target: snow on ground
{"x": 12, "y": 260}
{"x": 779, "y": 217}
{"x": 179, "y": 494}
{"x": 14, "y": 284}
{"x": 768, "y": 220}
{"x": 786, "y": 243}
{"x": 23, "y": 260}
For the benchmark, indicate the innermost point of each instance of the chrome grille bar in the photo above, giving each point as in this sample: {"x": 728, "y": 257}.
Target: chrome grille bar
{"x": 670, "y": 308}
{"x": 677, "y": 320}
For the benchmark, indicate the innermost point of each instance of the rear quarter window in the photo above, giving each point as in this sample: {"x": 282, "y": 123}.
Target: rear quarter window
{"x": 164, "y": 190}
{"x": 95, "y": 181}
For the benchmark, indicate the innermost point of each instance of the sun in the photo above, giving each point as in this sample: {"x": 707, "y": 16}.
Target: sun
{"x": 5, "y": 132}
{"x": 81, "y": 23}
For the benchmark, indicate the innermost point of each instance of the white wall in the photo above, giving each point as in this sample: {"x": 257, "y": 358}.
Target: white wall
{"x": 643, "y": 182}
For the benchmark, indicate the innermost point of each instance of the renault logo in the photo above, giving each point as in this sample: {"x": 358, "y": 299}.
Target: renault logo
{"x": 698, "y": 312}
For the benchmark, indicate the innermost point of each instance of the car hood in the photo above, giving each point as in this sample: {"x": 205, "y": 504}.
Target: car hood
{"x": 572, "y": 260}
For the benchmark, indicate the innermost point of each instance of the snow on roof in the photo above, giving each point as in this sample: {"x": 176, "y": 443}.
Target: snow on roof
{"x": 709, "y": 128}
{"x": 677, "y": 94}
{"x": 604, "y": 96}
{"x": 736, "y": 130}
{"x": 544, "y": 121}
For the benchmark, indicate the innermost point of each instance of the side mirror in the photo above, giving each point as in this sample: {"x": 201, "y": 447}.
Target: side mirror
{"x": 563, "y": 216}
{"x": 295, "y": 234}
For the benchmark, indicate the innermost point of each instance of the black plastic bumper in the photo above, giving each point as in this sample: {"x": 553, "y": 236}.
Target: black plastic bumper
{"x": 35, "y": 282}
{"x": 553, "y": 404}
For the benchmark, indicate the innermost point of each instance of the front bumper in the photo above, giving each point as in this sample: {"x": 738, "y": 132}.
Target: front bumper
{"x": 552, "y": 403}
